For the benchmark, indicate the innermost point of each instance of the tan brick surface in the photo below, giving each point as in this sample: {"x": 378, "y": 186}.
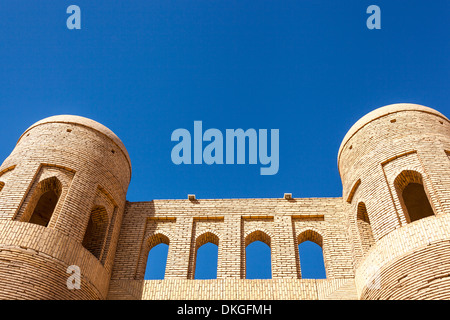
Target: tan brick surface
{"x": 92, "y": 167}
{"x": 371, "y": 248}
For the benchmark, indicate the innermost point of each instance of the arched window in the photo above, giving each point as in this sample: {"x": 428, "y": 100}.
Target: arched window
{"x": 156, "y": 262}
{"x": 94, "y": 238}
{"x": 206, "y": 261}
{"x": 364, "y": 228}
{"x": 412, "y": 195}
{"x": 43, "y": 202}
{"x": 258, "y": 264}
{"x": 310, "y": 250}
{"x": 4, "y": 176}
{"x": 205, "y": 256}
{"x": 155, "y": 250}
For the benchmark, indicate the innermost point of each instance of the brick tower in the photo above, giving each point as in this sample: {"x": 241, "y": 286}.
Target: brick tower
{"x": 62, "y": 196}
{"x": 395, "y": 169}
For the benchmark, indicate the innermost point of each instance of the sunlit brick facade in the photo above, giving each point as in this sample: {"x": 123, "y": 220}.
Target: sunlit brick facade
{"x": 63, "y": 203}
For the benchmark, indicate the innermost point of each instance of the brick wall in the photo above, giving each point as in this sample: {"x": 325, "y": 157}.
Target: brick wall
{"x": 231, "y": 224}
{"x": 372, "y": 248}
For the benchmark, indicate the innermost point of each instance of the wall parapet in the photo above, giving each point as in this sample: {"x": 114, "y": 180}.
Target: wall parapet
{"x": 234, "y": 289}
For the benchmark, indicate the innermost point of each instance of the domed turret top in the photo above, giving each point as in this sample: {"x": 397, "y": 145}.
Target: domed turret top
{"x": 86, "y": 122}
{"x": 384, "y": 111}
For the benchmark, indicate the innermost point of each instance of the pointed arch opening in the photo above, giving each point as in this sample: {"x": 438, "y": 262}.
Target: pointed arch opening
{"x": 155, "y": 253}
{"x": 364, "y": 227}
{"x": 94, "y": 237}
{"x": 205, "y": 257}
{"x": 257, "y": 255}
{"x": 4, "y": 176}
{"x": 206, "y": 261}
{"x": 310, "y": 248}
{"x": 413, "y": 197}
{"x": 43, "y": 202}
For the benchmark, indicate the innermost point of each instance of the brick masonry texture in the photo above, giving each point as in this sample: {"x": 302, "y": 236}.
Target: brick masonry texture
{"x": 63, "y": 202}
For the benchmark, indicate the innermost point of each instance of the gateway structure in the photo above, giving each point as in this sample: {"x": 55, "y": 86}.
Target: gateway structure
{"x": 63, "y": 203}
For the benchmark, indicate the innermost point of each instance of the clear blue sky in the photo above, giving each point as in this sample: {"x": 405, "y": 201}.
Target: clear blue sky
{"x": 145, "y": 68}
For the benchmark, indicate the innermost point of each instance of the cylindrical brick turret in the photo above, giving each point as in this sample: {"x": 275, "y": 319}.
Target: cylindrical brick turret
{"x": 62, "y": 196}
{"x": 395, "y": 169}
